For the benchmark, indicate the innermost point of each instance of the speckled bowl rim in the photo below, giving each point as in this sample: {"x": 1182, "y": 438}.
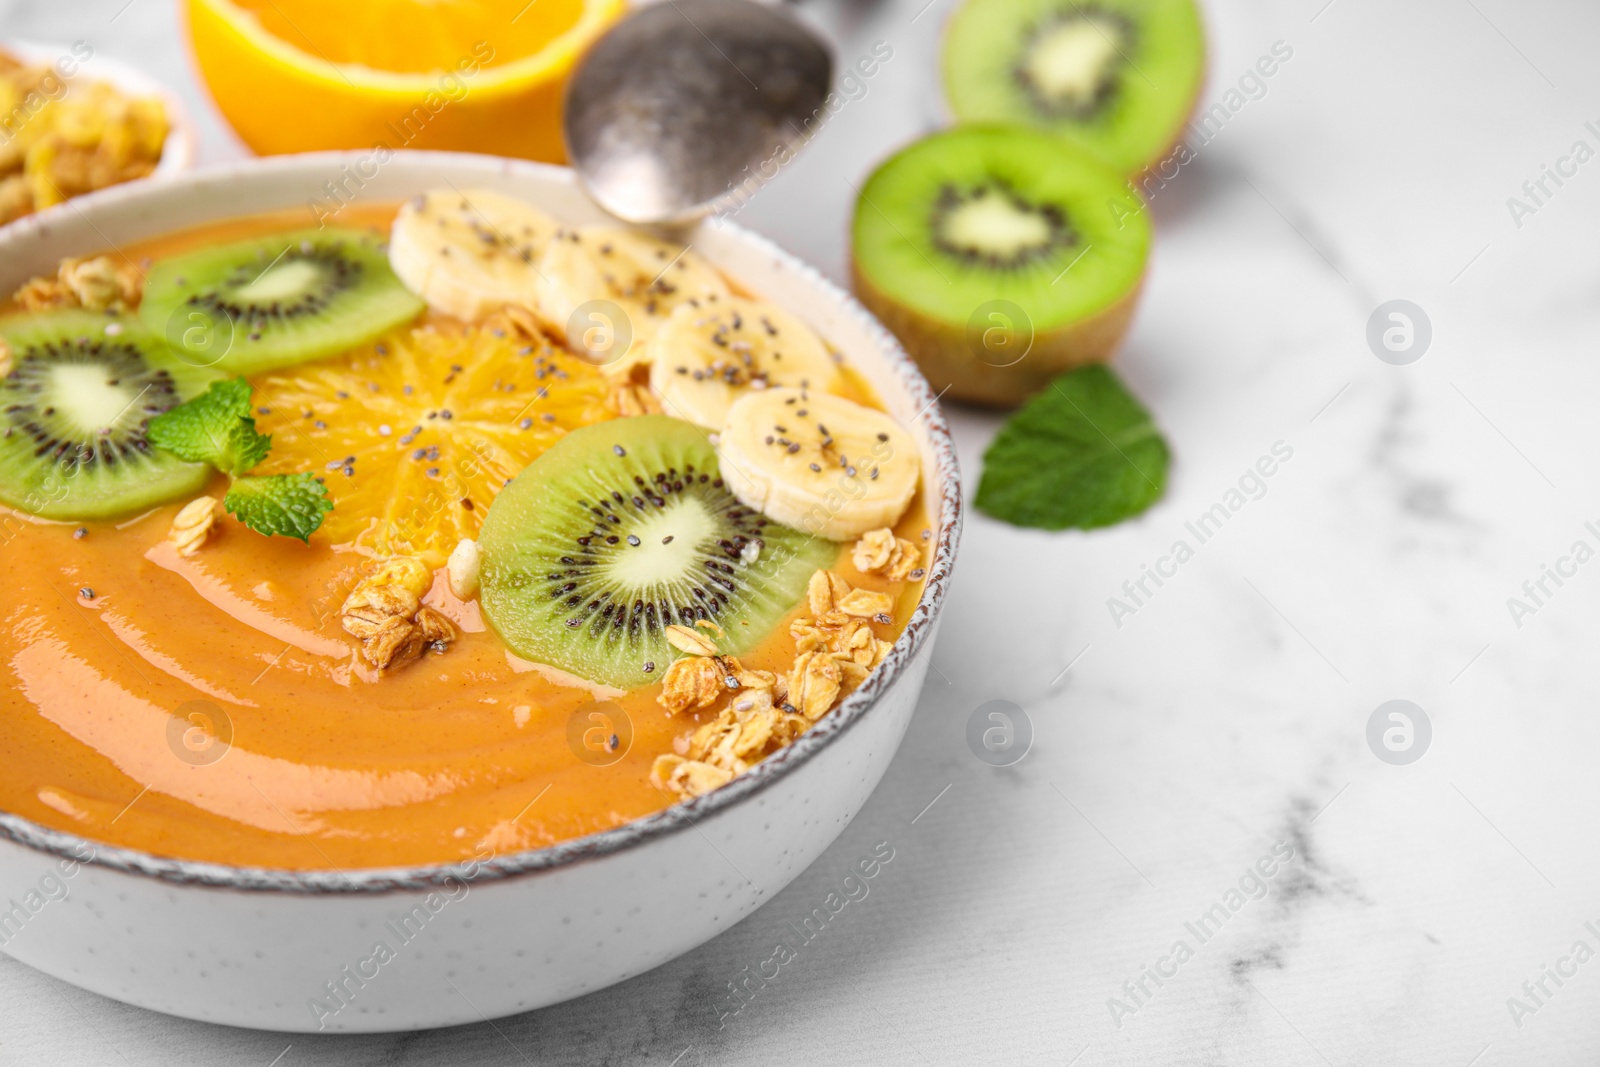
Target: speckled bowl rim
{"x": 639, "y": 832}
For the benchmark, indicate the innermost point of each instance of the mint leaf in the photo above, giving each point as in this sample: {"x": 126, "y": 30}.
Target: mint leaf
{"x": 246, "y": 447}
{"x": 1083, "y": 453}
{"x": 215, "y": 427}
{"x": 287, "y": 505}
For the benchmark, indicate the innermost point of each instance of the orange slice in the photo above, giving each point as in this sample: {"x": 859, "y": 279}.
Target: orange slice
{"x": 473, "y": 75}
{"x": 416, "y": 434}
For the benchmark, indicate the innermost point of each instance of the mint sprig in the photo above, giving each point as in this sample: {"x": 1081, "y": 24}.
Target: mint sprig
{"x": 1084, "y": 453}
{"x": 216, "y": 427}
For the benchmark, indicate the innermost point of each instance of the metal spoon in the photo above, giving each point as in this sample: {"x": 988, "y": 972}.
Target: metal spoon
{"x": 683, "y": 102}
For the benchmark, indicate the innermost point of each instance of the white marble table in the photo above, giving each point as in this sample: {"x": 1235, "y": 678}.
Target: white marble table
{"x": 1227, "y": 716}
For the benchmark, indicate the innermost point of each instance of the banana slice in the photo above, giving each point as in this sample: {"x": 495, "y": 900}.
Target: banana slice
{"x": 704, "y": 358}
{"x": 469, "y": 253}
{"x": 607, "y": 291}
{"x": 822, "y": 464}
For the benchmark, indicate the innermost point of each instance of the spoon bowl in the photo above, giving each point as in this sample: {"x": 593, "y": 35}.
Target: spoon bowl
{"x": 671, "y": 111}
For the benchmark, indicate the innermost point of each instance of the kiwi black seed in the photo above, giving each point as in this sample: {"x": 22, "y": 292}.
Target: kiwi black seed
{"x": 74, "y": 407}
{"x": 622, "y": 529}
{"x": 1119, "y": 77}
{"x": 276, "y": 301}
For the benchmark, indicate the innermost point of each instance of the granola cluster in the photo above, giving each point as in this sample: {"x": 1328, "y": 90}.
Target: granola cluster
{"x": 837, "y": 648}
{"x": 193, "y": 525}
{"x": 516, "y": 322}
{"x": 750, "y": 728}
{"x": 99, "y": 283}
{"x": 60, "y": 140}
{"x": 755, "y": 723}
{"x": 703, "y": 674}
{"x": 634, "y": 398}
{"x": 880, "y": 552}
{"x": 385, "y": 611}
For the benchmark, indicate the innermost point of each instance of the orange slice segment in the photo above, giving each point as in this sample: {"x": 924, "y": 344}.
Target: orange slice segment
{"x": 415, "y": 435}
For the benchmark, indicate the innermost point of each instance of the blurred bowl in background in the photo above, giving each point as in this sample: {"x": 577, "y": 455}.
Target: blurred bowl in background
{"x": 74, "y": 122}
{"x": 178, "y": 154}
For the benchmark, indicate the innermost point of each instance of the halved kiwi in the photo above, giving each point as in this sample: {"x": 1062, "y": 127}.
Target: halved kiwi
{"x": 621, "y": 529}
{"x": 1118, "y": 76}
{"x": 273, "y": 302}
{"x": 1000, "y": 256}
{"x": 73, "y": 410}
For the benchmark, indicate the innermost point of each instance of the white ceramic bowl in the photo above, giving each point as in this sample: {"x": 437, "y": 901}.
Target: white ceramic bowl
{"x": 295, "y": 950}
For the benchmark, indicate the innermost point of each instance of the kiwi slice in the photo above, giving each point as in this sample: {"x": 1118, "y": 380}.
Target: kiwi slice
{"x": 268, "y": 303}
{"x": 1000, "y": 256}
{"x": 74, "y": 405}
{"x": 1119, "y": 77}
{"x": 621, "y": 529}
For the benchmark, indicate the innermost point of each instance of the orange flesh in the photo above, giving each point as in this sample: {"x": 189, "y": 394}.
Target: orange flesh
{"x": 407, "y": 36}
{"x": 329, "y": 766}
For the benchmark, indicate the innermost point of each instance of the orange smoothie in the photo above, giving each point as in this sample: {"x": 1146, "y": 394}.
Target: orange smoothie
{"x": 211, "y": 707}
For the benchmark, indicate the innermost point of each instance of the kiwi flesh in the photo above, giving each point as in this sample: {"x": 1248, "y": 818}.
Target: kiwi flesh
{"x": 74, "y": 406}
{"x": 621, "y": 529}
{"x": 272, "y": 302}
{"x": 1119, "y": 77}
{"x": 1000, "y": 256}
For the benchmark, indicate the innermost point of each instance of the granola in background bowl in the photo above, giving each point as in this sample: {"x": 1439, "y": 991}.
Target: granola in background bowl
{"x": 72, "y": 122}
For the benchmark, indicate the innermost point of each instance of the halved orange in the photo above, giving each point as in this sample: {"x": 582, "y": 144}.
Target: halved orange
{"x": 469, "y": 75}
{"x": 416, "y": 434}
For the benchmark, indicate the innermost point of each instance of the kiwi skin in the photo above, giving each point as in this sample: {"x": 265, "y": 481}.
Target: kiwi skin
{"x": 942, "y": 350}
